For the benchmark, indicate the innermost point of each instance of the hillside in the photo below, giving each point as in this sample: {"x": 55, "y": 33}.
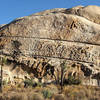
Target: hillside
{"x": 51, "y": 36}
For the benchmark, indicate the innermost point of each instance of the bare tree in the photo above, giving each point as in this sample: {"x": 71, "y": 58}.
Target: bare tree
{"x": 60, "y": 74}
{"x": 63, "y": 73}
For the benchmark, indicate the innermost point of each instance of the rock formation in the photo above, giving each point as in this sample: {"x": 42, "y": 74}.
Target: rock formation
{"x": 55, "y": 35}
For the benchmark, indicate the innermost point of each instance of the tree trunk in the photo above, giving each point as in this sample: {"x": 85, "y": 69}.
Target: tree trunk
{"x": 62, "y": 73}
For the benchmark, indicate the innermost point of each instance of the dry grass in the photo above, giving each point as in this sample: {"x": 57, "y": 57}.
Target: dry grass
{"x": 58, "y": 97}
{"x": 72, "y": 92}
{"x": 82, "y": 92}
{"x": 21, "y": 96}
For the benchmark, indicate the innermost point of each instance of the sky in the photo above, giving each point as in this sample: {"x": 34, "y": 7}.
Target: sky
{"x": 12, "y": 9}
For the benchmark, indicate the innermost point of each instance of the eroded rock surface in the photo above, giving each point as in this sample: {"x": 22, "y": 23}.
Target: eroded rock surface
{"x": 71, "y": 34}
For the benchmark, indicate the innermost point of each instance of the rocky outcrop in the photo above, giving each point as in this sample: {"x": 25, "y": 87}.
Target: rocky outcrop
{"x": 91, "y": 13}
{"x": 59, "y": 34}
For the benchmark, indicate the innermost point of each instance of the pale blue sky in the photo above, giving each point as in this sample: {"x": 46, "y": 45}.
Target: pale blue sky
{"x": 11, "y": 9}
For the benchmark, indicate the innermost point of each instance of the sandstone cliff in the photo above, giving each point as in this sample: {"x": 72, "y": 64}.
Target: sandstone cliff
{"x": 58, "y": 34}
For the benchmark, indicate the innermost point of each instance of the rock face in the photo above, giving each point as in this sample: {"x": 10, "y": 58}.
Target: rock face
{"x": 59, "y": 34}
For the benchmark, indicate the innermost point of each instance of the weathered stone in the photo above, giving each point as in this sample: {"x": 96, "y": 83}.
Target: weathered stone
{"x": 91, "y": 13}
{"x": 70, "y": 34}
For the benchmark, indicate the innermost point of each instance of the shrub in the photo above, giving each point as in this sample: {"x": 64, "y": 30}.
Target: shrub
{"x": 72, "y": 80}
{"x": 29, "y": 82}
{"x": 52, "y": 88}
{"x": 3, "y": 60}
{"x": 39, "y": 84}
{"x": 47, "y": 93}
{"x": 5, "y": 82}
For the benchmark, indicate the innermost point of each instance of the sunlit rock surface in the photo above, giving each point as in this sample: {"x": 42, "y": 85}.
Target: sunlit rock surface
{"x": 52, "y": 36}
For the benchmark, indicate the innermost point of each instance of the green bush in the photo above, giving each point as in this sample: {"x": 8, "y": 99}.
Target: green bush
{"x": 3, "y": 60}
{"x": 39, "y": 84}
{"x": 5, "y": 82}
{"x": 47, "y": 93}
{"x": 72, "y": 81}
{"x": 28, "y": 82}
